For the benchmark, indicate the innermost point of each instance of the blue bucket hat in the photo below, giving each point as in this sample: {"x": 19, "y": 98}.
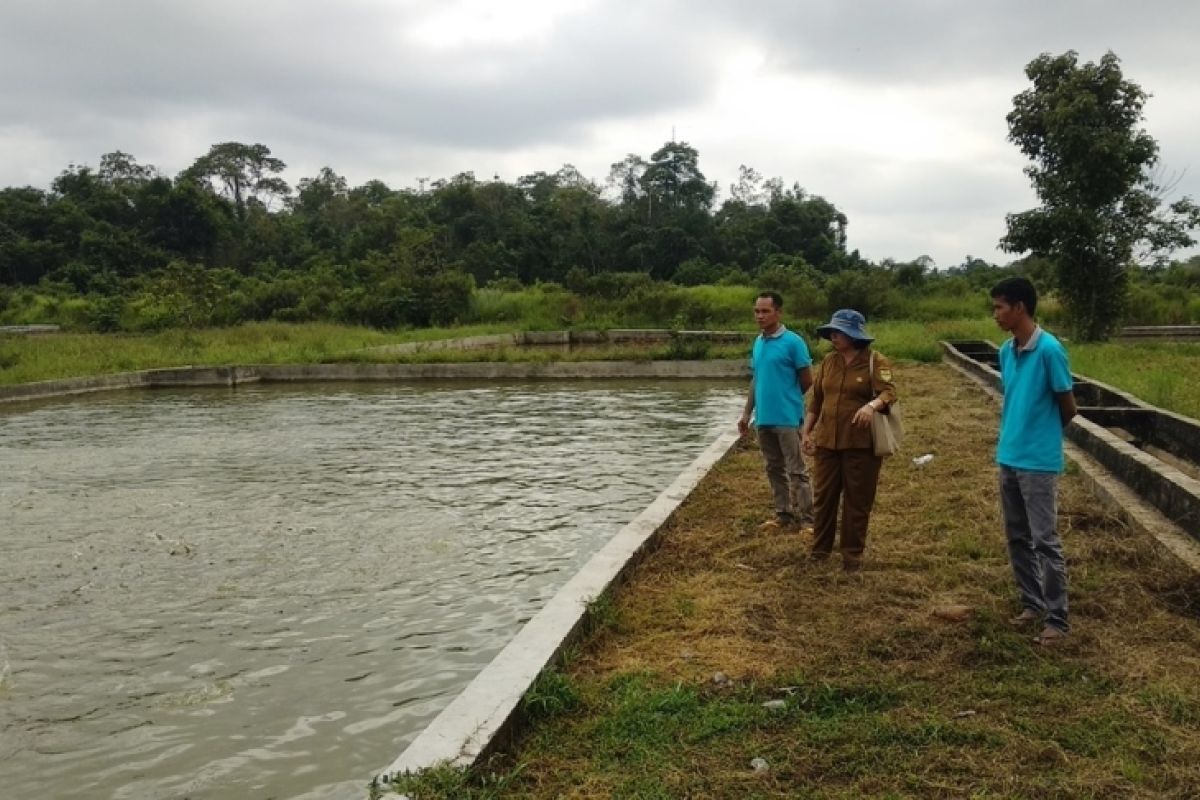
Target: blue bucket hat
{"x": 849, "y": 322}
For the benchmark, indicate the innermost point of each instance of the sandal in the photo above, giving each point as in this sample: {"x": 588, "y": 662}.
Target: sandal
{"x": 1050, "y": 636}
{"x": 1025, "y": 617}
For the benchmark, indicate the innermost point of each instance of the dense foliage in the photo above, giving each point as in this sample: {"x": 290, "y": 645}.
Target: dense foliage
{"x": 228, "y": 239}
{"x": 123, "y": 247}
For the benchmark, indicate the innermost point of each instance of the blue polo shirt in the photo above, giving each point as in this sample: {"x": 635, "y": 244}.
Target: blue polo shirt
{"x": 1031, "y": 430}
{"x": 775, "y": 360}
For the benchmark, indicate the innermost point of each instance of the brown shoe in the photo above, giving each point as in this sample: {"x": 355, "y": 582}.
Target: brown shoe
{"x": 851, "y": 564}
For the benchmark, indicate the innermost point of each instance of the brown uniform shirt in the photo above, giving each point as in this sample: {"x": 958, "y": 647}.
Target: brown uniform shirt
{"x": 839, "y": 390}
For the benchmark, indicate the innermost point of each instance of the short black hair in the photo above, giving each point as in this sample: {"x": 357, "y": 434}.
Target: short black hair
{"x": 775, "y": 297}
{"x": 1017, "y": 290}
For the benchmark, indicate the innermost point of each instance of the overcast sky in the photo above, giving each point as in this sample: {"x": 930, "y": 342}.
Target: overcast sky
{"x": 893, "y": 110}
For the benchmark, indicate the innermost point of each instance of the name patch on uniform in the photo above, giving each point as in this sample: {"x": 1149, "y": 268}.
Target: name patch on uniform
{"x": 885, "y": 375}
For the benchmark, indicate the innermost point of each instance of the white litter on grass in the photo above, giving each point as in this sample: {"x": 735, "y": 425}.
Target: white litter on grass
{"x": 921, "y": 461}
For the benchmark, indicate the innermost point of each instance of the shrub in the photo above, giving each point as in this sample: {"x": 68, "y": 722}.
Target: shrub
{"x": 870, "y": 293}
{"x": 105, "y": 314}
{"x": 616, "y": 285}
{"x": 697, "y": 271}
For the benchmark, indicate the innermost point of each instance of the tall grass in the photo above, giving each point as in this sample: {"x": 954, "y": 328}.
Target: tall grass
{"x": 34, "y": 358}
{"x": 920, "y": 341}
{"x": 536, "y": 308}
{"x": 1164, "y": 374}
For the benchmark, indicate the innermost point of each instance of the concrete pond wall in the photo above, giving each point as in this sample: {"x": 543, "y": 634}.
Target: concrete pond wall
{"x": 731, "y": 369}
{"x": 568, "y": 338}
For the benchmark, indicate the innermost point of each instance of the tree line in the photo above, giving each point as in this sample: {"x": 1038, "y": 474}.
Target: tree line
{"x": 229, "y": 240}
{"x": 385, "y": 256}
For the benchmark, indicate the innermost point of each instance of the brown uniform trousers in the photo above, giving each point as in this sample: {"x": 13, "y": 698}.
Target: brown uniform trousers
{"x": 854, "y": 475}
{"x": 845, "y": 467}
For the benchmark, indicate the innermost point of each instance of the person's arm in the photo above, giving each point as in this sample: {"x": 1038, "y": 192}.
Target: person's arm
{"x": 882, "y": 385}
{"x": 744, "y": 420}
{"x": 1062, "y": 383}
{"x": 884, "y": 390}
{"x": 1066, "y": 406}
{"x": 813, "y": 413}
{"x": 805, "y": 377}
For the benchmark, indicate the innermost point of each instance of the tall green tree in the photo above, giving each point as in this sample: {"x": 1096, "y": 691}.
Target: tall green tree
{"x": 1093, "y": 170}
{"x": 674, "y": 181}
{"x": 244, "y": 173}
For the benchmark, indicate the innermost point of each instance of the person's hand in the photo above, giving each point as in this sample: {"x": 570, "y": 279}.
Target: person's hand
{"x": 743, "y": 425}
{"x": 807, "y": 444}
{"x": 862, "y": 417}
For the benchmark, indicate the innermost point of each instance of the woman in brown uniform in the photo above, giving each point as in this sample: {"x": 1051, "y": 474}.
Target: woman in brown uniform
{"x": 837, "y": 434}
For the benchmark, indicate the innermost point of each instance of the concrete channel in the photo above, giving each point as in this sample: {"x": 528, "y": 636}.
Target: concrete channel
{"x": 1142, "y": 460}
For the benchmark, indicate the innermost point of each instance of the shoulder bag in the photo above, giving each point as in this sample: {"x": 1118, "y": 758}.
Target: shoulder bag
{"x": 887, "y": 430}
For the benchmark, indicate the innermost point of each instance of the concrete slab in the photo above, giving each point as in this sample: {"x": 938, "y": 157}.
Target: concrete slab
{"x": 27, "y": 330}
{"x": 1132, "y": 509}
{"x": 41, "y": 390}
{"x": 732, "y": 369}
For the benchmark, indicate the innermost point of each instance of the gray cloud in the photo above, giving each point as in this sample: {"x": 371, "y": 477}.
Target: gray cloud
{"x": 947, "y": 40}
{"x": 345, "y": 84}
{"x": 285, "y": 61}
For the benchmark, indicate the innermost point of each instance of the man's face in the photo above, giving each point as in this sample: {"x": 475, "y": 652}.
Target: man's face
{"x": 1006, "y": 315}
{"x": 766, "y": 314}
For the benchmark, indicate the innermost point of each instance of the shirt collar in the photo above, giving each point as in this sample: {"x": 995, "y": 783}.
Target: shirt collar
{"x": 779, "y": 332}
{"x": 1033, "y": 339}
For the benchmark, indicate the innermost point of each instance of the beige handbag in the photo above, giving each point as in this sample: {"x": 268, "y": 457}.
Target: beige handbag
{"x": 887, "y": 430}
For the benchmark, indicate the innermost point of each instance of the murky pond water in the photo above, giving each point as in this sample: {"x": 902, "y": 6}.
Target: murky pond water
{"x": 267, "y": 592}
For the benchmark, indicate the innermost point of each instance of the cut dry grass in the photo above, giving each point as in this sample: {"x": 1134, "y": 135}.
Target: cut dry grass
{"x": 883, "y": 699}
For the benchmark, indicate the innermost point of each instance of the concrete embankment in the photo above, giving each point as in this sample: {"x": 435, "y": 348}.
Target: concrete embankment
{"x": 280, "y": 373}
{"x": 568, "y": 339}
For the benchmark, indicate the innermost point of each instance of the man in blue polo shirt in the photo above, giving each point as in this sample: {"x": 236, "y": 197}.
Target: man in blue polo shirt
{"x": 1038, "y": 404}
{"x": 782, "y": 373}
